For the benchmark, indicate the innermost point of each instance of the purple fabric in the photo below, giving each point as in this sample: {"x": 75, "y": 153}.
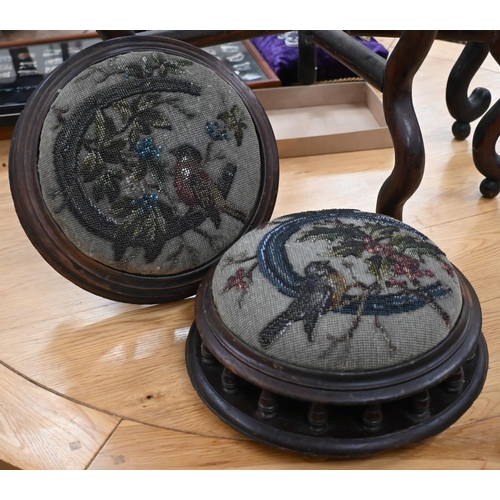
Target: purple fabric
{"x": 282, "y": 54}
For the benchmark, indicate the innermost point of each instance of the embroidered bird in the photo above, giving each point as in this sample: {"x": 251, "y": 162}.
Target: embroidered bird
{"x": 321, "y": 291}
{"x": 196, "y": 189}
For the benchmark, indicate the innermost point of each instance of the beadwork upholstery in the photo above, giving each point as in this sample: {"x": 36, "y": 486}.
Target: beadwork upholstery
{"x": 337, "y": 290}
{"x": 150, "y": 163}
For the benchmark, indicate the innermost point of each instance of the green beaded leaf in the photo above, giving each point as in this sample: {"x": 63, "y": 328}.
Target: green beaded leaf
{"x": 354, "y": 247}
{"x": 160, "y": 121}
{"x": 155, "y": 227}
{"x": 175, "y": 67}
{"x": 148, "y": 64}
{"x": 108, "y": 185}
{"x": 346, "y": 239}
{"x": 415, "y": 248}
{"x": 125, "y": 110}
{"x": 157, "y": 58}
{"x": 112, "y": 152}
{"x": 378, "y": 231}
{"x": 139, "y": 170}
{"x": 158, "y": 170}
{"x": 134, "y": 69}
{"x": 122, "y": 207}
{"x": 91, "y": 166}
{"x": 142, "y": 126}
{"x": 146, "y": 101}
{"x": 233, "y": 121}
{"x": 105, "y": 128}
{"x": 147, "y": 230}
{"x": 380, "y": 267}
{"x": 134, "y": 136}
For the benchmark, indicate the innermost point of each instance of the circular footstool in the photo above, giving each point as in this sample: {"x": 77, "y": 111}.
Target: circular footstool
{"x": 337, "y": 333}
{"x": 137, "y": 163}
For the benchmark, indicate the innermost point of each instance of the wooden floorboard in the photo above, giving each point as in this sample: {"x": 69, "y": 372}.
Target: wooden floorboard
{"x": 40, "y": 430}
{"x": 462, "y": 447}
{"x": 75, "y": 364}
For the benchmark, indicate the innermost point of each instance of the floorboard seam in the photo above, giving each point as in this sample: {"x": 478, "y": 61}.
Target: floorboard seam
{"x": 121, "y": 417}
{"x": 96, "y": 454}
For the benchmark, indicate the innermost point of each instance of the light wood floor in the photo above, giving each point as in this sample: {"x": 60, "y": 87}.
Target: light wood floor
{"x": 89, "y": 383}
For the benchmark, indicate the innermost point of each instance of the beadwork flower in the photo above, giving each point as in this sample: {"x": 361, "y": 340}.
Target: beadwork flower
{"x": 217, "y": 131}
{"x": 145, "y": 148}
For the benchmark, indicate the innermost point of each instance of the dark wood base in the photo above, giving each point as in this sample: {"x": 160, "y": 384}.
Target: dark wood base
{"x": 336, "y": 414}
{"x": 344, "y": 431}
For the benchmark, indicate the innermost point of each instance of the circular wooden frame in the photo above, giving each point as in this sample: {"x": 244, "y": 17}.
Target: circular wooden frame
{"x": 272, "y": 402}
{"x": 46, "y": 235}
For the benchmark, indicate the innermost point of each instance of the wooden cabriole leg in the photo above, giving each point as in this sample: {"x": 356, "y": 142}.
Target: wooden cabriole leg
{"x": 463, "y": 108}
{"x": 409, "y": 163}
{"x": 485, "y": 157}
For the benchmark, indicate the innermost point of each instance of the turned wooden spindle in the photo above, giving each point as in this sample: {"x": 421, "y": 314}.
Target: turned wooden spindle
{"x": 455, "y": 381}
{"x": 228, "y": 379}
{"x": 268, "y": 406}
{"x": 206, "y": 356}
{"x": 372, "y": 415}
{"x": 317, "y": 418}
{"x": 420, "y": 404}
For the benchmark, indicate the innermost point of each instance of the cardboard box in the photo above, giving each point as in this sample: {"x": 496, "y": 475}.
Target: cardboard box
{"x": 325, "y": 118}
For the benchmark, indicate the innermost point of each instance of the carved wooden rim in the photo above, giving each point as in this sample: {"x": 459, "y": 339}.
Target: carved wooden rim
{"x": 340, "y": 387}
{"x": 289, "y": 429}
{"x": 46, "y": 235}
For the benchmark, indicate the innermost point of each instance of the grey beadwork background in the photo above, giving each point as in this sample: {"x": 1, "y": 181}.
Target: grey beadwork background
{"x": 216, "y": 97}
{"x": 412, "y": 333}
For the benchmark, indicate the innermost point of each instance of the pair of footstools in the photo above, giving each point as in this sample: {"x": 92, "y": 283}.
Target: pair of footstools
{"x": 142, "y": 167}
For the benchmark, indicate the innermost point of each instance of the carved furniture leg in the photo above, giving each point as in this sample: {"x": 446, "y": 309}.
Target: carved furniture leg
{"x": 461, "y": 107}
{"x": 307, "y": 60}
{"x": 486, "y": 160}
{"x": 403, "y": 63}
